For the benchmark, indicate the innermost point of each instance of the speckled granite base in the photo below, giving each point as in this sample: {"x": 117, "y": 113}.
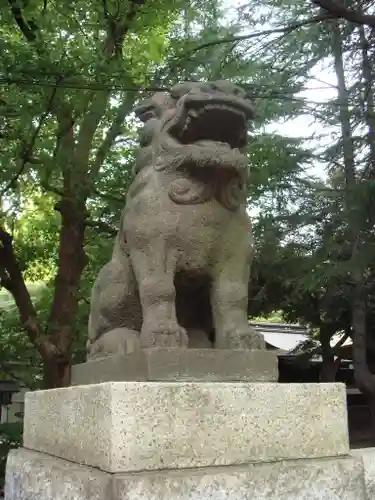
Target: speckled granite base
{"x": 368, "y": 457}
{"x": 137, "y": 426}
{"x": 163, "y": 364}
{"x": 36, "y": 476}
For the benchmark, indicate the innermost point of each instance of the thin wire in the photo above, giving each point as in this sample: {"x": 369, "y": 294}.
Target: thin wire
{"x": 273, "y": 94}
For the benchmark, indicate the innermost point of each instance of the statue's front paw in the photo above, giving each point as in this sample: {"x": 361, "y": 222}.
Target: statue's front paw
{"x": 117, "y": 341}
{"x": 163, "y": 336}
{"x": 246, "y": 338}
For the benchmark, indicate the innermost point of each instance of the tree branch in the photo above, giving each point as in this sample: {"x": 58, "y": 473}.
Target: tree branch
{"x": 112, "y": 134}
{"x": 102, "y": 227}
{"x": 11, "y": 278}
{"x": 27, "y": 149}
{"x": 28, "y": 28}
{"x": 283, "y": 29}
{"x": 117, "y": 30}
{"x": 110, "y": 197}
{"x": 89, "y": 126}
{"x": 4, "y": 367}
{"x": 65, "y": 143}
{"x": 337, "y": 9}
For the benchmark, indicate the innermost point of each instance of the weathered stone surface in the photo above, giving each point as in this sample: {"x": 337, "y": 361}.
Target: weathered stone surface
{"x": 320, "y": 479}
{"x": 35, "y": 476}
{"x": 133, "y": 426}
{"x": 181, "y": 261}
{"x": 367, "y": 455}
{"x": 160, "y": 364}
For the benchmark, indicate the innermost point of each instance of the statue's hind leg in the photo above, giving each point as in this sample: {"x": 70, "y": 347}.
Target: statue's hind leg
{"x": 116, "y": 315}
{"x": 113, "y": 342}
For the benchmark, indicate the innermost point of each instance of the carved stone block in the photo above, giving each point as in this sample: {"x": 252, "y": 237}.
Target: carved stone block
{"x": 135, "y": 426}
{"x": 200, "y": 365}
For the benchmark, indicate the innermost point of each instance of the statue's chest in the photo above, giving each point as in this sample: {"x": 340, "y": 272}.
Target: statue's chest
{"x": 201, "y": 236}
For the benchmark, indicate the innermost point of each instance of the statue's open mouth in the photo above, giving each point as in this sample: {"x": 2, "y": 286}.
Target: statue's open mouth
{"x": 214, "y": 122}
{"x": 219, "y": 123}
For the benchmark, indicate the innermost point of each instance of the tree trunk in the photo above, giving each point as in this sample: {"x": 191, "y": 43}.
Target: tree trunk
{"x": 365, "y": 380}
{"x": 369, "y": 100}
{"x": 62, "y": 319}
{"x": 54, "y": 340}
{"x": 11, "y": 279}
{"x": 344, "y": 111}
{"x": 56, "y": 372}
{"x": 328, "y": 370}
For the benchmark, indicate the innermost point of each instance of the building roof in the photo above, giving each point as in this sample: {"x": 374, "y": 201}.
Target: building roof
{"x": 281, "y": 336}
{"x": 287, "y": 338}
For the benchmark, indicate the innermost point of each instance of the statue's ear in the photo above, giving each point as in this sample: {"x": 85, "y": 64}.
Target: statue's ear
{"x": 155, "y": 106}
{"x": 146, "y": 110}
{"x": 181, "y": 89}
{"x": 148, "y": 131}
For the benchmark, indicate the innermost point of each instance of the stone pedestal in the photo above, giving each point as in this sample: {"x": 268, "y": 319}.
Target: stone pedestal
{"x": 37, "y": 476}
{"x": 163, "y": 364}
{"x": 186, "y": 441}
{"x": 367, "y": 455}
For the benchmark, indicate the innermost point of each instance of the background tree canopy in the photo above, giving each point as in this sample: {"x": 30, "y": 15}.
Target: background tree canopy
{"x": 70, "y": 75}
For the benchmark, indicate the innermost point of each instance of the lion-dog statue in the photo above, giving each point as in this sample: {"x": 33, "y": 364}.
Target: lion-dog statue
{"x": 180, "y": 268}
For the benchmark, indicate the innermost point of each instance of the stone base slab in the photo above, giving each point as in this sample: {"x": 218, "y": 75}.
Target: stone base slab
{"x": 35, "y": 476}
{"x": 163, "y": 364}
{"x": 137, "y": 426}
{"x": 368, "y": 457}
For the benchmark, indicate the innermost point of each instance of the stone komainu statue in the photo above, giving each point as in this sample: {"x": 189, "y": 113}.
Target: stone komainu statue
{"x": 180, "y": 267}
